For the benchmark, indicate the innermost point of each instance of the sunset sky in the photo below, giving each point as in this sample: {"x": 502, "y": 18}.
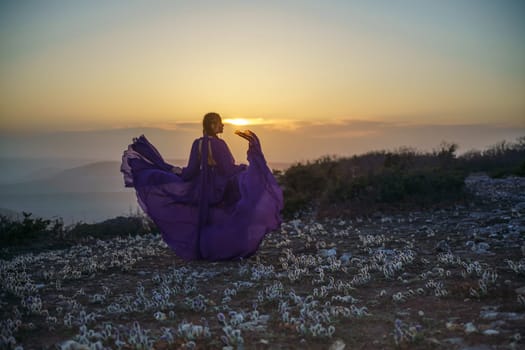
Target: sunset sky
{"x": 90, "y": 65}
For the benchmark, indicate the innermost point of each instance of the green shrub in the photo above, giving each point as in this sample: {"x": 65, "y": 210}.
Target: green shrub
{"x": 16, "y": 232}
{"x": 36, "y": 234}
{"x": 404, "y": 177}
{"x": 119, "y": 226}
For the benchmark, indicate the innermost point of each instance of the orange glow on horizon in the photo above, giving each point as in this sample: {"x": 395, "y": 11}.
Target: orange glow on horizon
{"x": 237, "y": 121}
{"x": 245, "y": 121}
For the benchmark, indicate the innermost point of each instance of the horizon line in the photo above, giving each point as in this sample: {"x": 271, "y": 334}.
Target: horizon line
{"x": 288, "y": 124}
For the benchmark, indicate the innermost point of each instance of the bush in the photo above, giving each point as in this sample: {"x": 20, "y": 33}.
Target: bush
{"x": 16, "y": 232}
{"x": 404, "y": 177}
{"x": 119, "y": 226}
{"x": 37, "y": 234}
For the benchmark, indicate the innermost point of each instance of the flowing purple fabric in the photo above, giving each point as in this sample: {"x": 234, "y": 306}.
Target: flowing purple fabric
{"x": 213, "y": 210}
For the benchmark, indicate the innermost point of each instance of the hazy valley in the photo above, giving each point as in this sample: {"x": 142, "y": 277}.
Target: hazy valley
{"x": 76, "y": 190}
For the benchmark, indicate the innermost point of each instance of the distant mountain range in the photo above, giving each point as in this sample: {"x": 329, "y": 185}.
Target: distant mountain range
{"x": 101, "y": 176}
{"x": 10, "y": 213}
{"x": 93, "y": 177}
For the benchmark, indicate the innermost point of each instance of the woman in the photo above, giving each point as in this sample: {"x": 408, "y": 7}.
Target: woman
{"x": 212, "y": 209}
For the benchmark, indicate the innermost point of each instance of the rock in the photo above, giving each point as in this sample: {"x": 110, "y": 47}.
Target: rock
{"x": 161, "y": 316}
{"x": 470, "y": 244}
{"x": 407, "y": 275}
{"x": 337, "y": 345}
{"x": 497, "y": 324}
{"x": 433, "y": 341}
{"x": 263, "y": 318}
{"x": 519, "y": 207}
{"x": 470, "y": 328}
{"x": 345, "y": 258}
{"x": 489, "y": 315}
{"x": 478, "y": 347}
{"x": 442, "y": 246}
{"x": 451, "y": 326}
{"x": 483, "y": 246}
{"x": 72, "y": 345}
{"x": 509, "y": 316}
{"x": 520, "y": 290}
{"x": 490, "y": 332}
{"x": 325, "y": 253}
{"x": 454, "y": 341}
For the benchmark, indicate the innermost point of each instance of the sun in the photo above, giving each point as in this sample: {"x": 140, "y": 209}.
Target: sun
{"x": 237, "y": 121}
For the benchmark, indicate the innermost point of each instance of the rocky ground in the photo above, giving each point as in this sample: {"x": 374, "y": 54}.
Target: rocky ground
{"x": 440, "y": 279}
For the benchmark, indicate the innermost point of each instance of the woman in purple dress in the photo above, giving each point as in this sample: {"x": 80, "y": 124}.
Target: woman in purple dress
{"x": 212, "y": 209}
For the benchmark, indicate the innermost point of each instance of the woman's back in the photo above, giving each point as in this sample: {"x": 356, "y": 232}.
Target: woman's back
{"x": 219, "y": 158}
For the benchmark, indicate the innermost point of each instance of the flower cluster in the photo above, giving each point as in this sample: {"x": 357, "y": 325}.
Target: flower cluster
{"x": 518, "y": 267}
{"x": 406, "y": 332}
{"x": 311, "y": 279}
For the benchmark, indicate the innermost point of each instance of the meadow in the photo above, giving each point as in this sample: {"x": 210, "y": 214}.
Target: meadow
{"x": 438, "y": 265}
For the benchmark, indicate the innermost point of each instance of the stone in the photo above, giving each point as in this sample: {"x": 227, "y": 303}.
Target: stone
{"x": 433, "y": 341}
{"x": 470, "y": 328}
{"x": 483, "y": 246}
{"x": 470, "y": 244}
{"x": 161, "y": 316}
{"x": 489, "y": 315}
{"x": 452, "y": 326}
{"x": 478, "y": 347}
{"x": 520, "y": 290}
{"x": 497, "y": 324}
{"x": 345, "y": 258}
{"x": 454, "y": 341}
{"x": 519, "y": 207}
{"x": 337, "y": 345}
{"x": 442, "y": 246}
{"x": 325, "y": 253}
{"x": 491, "y": 332}
{"x": 72, "y": 345}
{"x": 509, "y": 316}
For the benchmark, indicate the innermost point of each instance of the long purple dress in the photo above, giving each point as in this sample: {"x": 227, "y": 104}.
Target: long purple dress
{"x": 213, "y": 210}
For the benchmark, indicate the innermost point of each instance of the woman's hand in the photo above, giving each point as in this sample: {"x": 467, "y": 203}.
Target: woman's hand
{"x": 176, "y": 170}
{"x": 246, "y": 134}
{"x": 250, "y": 136}
{"x": 254, "y": 145}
